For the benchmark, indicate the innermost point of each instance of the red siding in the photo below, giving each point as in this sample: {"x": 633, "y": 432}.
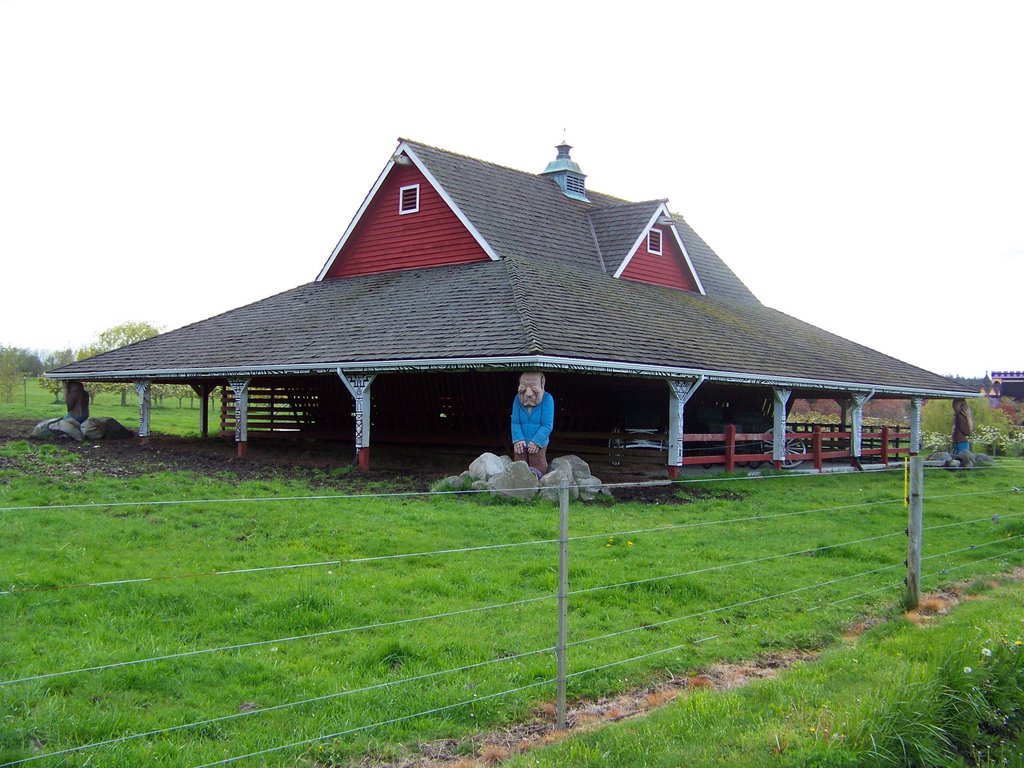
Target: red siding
{"x": 669, "y": 269}
{"x": 384, "y": 241}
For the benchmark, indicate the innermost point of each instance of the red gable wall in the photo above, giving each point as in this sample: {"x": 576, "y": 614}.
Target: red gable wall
{"x": 384, "y": 241}
{"x": 668, "y": 269}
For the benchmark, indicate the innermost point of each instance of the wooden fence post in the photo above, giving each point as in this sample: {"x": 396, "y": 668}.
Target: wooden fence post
{"x": 730, "y": 448}
{"x": 916, "y": 517}
{"x": 816, "y": 447}
{"x": 563, "y": 600}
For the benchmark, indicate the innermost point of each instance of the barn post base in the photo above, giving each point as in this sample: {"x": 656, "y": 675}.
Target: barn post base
{"x": 364, "y": 459}
{"x": 673, "y": 473}
{"x": 242, "y": 446}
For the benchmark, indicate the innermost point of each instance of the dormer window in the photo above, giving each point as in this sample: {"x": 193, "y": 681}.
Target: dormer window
{"x": 409, "y": 199}
{"x": 654, "y": 242}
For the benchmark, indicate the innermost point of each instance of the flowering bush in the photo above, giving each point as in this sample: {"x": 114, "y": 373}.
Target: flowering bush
{"x": 986, "y": 439}
{"x": 932, "y": 442}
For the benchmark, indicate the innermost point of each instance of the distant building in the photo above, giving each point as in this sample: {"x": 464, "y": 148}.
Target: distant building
{"x": 1004, "y": 384}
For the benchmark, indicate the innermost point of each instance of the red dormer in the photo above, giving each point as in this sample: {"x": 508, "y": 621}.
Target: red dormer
{"x": 406, "y": 222}
{"x": 659, "y": 257}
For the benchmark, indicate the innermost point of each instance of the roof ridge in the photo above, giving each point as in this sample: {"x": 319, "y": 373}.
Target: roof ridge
{"x": 525, "y": 173}
{"x": 519, "y": 301}
{"x": 597, "y": 243}
{"x": 628, "y": 204}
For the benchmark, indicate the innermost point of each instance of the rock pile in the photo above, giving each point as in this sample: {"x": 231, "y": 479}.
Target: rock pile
{"x": 93, "y": 428}
{"x": 964, "y": 459}
{"x": 502, "y": 476}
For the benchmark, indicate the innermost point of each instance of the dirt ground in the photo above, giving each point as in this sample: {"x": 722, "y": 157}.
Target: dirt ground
{"x": 321, "y": 463}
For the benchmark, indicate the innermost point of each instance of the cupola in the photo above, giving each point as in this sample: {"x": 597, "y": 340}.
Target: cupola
{"x": 566, "y": 174}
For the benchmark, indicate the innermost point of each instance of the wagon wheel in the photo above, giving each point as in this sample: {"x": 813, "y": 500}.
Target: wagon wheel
{"x": 793, "y": 445}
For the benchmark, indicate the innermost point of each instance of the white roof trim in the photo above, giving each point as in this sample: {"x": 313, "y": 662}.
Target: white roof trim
{"x": 546, "y": 362}
{"x": 662, "y": 211}
{"x": 686, "y": 255}
{"x": 405, "y": 149}
{"x": 355, "y": 219}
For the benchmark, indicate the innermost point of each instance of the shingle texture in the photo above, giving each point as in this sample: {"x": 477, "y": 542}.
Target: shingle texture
{"x": 618, "y": 227}
{"x": 457, "y": 311}
{"x": 551, "y": 293}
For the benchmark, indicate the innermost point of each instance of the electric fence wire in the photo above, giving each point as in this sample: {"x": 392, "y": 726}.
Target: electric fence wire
{"x": 894, "y": 585}
{"x": 737, "y": 564}
{"x": 973, "y": 546}
{"x": 111, "y": 742}
{"x": 332, "y": 632}
{"x": 255, "y": 643}
{"x": 390, "y": 495}
{"x": 433, "y": 553}
{"x": 393, "y": 721}
{"x": 744, "y": 603}
{"x": 945, "y": 571}
{"x": 573, "y": 675}
{"x": 995, "y": 519}
{"x": 380, "y": 625}
{"x": 276, "y": 707}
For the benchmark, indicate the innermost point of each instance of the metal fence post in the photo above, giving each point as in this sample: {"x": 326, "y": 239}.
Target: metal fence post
{"x": 563, "y": 599}
{"x": 916, "y": 516}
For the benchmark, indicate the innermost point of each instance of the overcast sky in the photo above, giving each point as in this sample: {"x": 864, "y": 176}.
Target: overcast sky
{"x": 860, "y": 166}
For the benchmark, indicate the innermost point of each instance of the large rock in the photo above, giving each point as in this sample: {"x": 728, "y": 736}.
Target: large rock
{"x": 99, "y": 427}
{"x": 966, "y": 459}
{"x": 983, "y": 460}
{"x": 590, "y": 487}
{"x": 487, "y": 465}
{"x": 68, "y": 428}
{"x": 517, "y": 482}
{"x": 453, "y": 483}
{"x": 552, "y": 481}
{"x": 41, "y": 431}
{"x": 574, "y": 465}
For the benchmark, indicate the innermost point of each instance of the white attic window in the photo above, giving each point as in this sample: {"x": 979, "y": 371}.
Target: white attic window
{"x": 654, "y": 242}
{"x": 409, "y": 199}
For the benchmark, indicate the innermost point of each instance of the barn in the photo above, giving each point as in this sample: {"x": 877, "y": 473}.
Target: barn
{"x": 455, "y": 274}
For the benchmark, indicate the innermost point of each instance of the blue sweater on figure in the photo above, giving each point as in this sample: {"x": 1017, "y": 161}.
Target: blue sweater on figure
{"x": 533, "y": 426}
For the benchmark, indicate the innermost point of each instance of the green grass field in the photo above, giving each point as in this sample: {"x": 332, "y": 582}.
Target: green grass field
{"x": 349, "y": 634}
{"x": 33, "y": 402}
{"x": 945, "y": 693}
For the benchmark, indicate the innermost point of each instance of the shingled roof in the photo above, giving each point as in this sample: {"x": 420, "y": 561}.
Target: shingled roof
{"x": 550, "y": 299}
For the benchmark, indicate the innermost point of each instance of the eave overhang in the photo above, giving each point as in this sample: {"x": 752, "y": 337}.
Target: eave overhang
{"x": 515, "y": 362}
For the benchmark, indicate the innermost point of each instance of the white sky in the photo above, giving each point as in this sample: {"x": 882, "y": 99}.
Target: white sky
{"x": 860, "y": 166}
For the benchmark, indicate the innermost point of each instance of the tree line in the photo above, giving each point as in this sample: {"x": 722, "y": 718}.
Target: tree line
{"x": 18, "y": 364}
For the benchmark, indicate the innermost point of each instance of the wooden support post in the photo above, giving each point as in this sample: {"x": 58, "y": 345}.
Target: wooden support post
{"x": 857, "y": 424}
{"x": 679, "y": 392}
{"x": 358, "y": 385}
{"x": 563, "y": 603}
{"x": 730, "y": 448}
{"x": 779, "y": 425}
{"x": 241, "y": 389}
{"x": 915, "y": 425}
{"x": 816, "y": 448}
{"x": 223, "y": 409}
{"x": 203, "y": 393}
{"x": 914, "y": 529}
{"x": 885, "y": 446}
{"x": 145, "y": 404}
